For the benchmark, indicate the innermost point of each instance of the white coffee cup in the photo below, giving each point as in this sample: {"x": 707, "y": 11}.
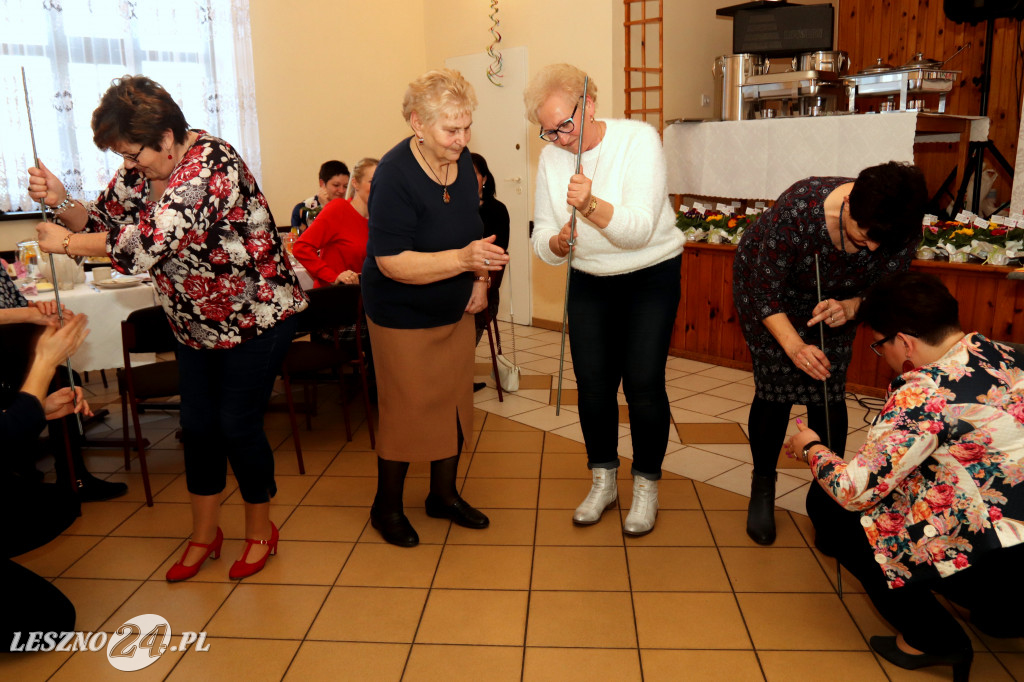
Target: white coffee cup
{"x": 100, "y": 274}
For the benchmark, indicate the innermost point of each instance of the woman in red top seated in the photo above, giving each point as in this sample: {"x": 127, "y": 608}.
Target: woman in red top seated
{"x": 334, "y": 247}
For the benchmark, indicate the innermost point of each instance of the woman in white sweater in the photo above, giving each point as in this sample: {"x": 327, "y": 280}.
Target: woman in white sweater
{"x": 624, "y": 286}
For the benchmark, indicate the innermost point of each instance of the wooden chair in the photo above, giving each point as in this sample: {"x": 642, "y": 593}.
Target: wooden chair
{"x": 309, "y": 362}
{"x": 145, "y": 331}
{"x": 494, "y": 341}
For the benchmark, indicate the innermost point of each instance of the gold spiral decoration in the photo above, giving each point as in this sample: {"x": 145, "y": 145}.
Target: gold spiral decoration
{"x": 494, "y": 70}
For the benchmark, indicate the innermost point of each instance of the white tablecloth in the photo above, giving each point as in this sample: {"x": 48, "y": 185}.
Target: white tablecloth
{"x": 305, "y": 279}
{"x": 760, "y": 159}
{"x": 106, "y": 309}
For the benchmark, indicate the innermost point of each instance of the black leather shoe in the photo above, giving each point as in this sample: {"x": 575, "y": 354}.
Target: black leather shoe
{"x": 761, "y": 510}
{"x": 479, "y": 386}
{"x": 395, "y": 528}
{"x": 460, "y": 512}
{"x": 887, "y": 648}
{"x": 92, "y": 489}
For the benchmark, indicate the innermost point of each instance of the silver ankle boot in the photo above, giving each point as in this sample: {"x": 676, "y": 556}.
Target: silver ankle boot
{"x": 644, "y": 510}
{"x": 603, "y": 493}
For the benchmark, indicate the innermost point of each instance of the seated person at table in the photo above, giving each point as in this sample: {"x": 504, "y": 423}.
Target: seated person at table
{"x": 333, "y": 185}
{"x": 36, "y": 512}
{"x": 334, "y": 247}
{"x": 934, "y": 499}
{"x": 14, "y": 308}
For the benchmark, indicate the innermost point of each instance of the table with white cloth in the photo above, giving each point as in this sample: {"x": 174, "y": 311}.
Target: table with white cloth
{"x": 760, "y": 159}
{"x": 106, "y": 309}
{"x": 305, "y": 279}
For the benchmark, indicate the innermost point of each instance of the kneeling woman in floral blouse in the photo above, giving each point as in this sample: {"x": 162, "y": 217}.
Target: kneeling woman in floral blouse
{"x": 185, "y": 208}
{"x": 934, "y": 499}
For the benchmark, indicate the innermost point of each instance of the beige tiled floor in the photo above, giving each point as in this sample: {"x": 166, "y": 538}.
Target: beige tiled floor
{"x": 533, "y": 597}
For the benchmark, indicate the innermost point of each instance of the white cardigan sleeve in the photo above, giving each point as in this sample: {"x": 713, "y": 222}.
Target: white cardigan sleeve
{"x": 545, "y": 222}
{"x": 644, "y": 188}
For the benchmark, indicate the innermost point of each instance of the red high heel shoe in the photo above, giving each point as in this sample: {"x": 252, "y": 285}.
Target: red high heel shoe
{"x": 180, "y": 571}
{"x": 242, "y": 569}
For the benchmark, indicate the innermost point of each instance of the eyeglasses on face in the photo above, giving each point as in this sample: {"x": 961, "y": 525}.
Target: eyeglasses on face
{"x": 564, "y": 128}
{"x": 876, "y": 347}
{"x": 134, "y": 158}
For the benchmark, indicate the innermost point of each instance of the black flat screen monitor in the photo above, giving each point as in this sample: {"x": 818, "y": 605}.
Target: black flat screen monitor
{"x": 783, "y": 30}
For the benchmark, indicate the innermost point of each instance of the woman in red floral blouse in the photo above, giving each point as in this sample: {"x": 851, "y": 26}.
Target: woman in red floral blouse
{"x": 934, "y": 499}
{"x": 185, "y": 208}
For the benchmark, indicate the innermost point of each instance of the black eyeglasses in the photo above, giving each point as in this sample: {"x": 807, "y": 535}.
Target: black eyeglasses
{"x": 134, "y": 158}
{"x": 564, "y": 128}
{"x": 877, "y": 345}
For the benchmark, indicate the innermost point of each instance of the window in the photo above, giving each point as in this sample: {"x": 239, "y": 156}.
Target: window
{"x": 199, "y": 50}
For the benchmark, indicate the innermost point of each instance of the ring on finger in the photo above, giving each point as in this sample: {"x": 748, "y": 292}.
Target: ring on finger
{"x": 487, "y": 261}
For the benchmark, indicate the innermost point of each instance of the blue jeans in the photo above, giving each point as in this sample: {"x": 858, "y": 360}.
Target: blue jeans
{"x": 224, "y": 395}
{"x": 621, "y": 326}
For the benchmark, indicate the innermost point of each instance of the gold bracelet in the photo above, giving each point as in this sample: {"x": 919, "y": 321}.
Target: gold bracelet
{"x": 484, "y": 278}
{"x": 591, "y": 208}
{"x": 67, "y": 245}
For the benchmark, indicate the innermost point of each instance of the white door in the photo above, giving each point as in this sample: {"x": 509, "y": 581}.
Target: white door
{"x": 499, "y": 134}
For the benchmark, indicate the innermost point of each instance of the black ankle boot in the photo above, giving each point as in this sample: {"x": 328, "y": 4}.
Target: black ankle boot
{"x": 394, "y": 527}
{"x": 761, "y": 510}
{"x": 887, "y": 648}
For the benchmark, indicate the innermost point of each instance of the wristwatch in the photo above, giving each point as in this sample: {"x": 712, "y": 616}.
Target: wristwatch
{"x": 807, "y": 448}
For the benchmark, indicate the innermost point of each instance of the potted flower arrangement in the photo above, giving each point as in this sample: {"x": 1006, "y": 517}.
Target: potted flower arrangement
{"x": 691, "y": 222}
{"x": 993, "y": 242}
{"x": 715, "y": 227}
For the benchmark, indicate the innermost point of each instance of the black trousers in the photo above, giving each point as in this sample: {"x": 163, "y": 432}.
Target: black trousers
{"x": 36, "y": 513}
{"x": 989, "y": 589}
{"x": 621, "y": 327}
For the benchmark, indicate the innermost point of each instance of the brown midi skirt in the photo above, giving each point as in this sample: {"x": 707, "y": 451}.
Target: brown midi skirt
{"x": 424, "y": 380}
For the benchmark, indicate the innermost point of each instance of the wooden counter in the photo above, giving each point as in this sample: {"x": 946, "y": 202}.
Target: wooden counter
{"x": 707, "y": 329}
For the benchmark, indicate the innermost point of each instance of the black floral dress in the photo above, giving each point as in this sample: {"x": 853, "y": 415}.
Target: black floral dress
{"x": 774, "y": 272}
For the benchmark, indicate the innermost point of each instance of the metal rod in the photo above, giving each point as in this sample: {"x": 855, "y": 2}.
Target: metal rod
{"x": 828, "y": 422}
{"x": 572, "y": 243}
{"x": 53, "y": 269}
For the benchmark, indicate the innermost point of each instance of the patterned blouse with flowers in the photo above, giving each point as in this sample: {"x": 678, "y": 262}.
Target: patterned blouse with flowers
{"x": 209, "y": 242}
{"x": 938, "y": 480}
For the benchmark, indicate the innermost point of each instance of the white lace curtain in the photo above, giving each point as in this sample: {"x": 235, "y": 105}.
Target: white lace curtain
{"x": 199, "y": 50}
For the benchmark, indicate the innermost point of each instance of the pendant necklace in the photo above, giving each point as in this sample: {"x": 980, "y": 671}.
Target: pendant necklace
{"x": 444, "y": 194}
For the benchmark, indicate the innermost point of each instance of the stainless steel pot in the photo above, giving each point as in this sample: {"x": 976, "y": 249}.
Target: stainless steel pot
{"x": 833, "y": 61}
{"x": 734, "y": 70}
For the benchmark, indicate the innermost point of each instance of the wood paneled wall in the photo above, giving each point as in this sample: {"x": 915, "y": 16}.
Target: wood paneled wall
{"x": 897, "y": 29}
{"x": 707, "y": 327}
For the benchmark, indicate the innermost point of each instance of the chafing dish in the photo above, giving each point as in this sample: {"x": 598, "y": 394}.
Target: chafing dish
{"x": 904, "y": 83}
{"x": 796, "y": 93}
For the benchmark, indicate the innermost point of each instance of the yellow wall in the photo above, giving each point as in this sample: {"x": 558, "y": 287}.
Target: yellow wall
{"x": 330, "y": 75}
{"x": 14, "y": 231}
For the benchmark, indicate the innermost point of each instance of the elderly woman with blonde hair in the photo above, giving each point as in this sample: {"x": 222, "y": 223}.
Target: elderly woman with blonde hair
{"x": 426, "y": 273}
{"x": 624, "y": 283}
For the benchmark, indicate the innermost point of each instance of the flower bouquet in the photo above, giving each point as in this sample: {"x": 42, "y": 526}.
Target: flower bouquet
{"x": 713, "y": 226}
{"x": 691, "y": 222}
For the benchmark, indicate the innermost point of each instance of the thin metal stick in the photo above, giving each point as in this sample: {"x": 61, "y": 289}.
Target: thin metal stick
{"x": 53, "y": 269}
{"x": 828, "y": 422}
{"x": 572, "y": 243}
